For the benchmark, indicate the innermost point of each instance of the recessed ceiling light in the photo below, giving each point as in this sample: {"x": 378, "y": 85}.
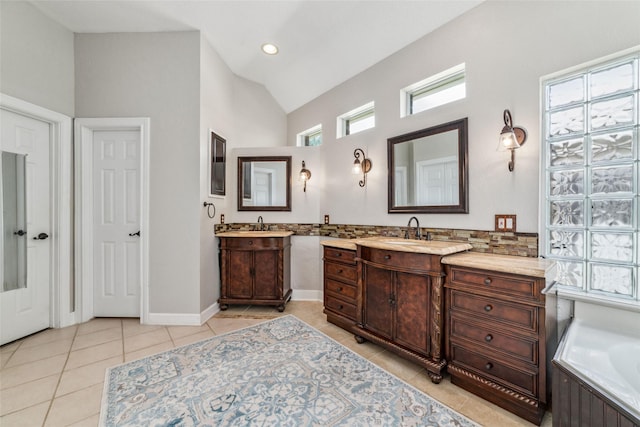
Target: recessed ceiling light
{"x": 270, "y": 49}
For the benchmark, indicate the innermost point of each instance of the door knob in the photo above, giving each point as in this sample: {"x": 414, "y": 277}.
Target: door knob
{"x": 20, "y": 233}
{"x": 41, "y": 236}
{"x": 137, "y": 233}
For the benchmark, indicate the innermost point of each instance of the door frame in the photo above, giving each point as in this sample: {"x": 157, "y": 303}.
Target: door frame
{"x": 62, "y": 305}
{"x": 83, "y": 130}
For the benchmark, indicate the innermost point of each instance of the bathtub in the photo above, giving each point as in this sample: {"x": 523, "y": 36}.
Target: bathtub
{"x": 603, "y": 362}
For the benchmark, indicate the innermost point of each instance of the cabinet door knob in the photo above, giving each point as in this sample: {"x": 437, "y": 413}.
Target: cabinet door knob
{"x": 387, "y": 257}
{"x": 340, "y": 307}
{"x": 338, "y": 254}
{"x": 250, "y": 242}
{"x": 339, "y": 288}
{"x": 489, "y": 365}
{"x": 487, "y": 281}
{"x": 488, "y": 308}
{"x": 340, "y": 271}
{"x": 488, "y": 338}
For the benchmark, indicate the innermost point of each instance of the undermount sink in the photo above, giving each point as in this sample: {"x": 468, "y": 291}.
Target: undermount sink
{"x": 403, "y": 242}
{"x": 255, "y": 233}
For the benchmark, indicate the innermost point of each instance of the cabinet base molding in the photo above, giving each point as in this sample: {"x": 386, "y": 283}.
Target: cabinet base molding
{"x": 523, "y": 406}
{"x": 278, "y": 303}
{"x": 434, "y": 369}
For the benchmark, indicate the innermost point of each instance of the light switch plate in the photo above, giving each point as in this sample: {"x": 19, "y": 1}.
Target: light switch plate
{"x": 506, "y": 223}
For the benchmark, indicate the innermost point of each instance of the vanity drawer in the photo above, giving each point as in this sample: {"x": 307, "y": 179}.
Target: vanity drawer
{"x": 494, "y": 339}
{"x": 489, "y": 281}
{"x": 340, "y": 255}
{"x": 339, "y": 306}
{"x": 347, "y": 292}
{"x": 509, "y": 314}
{"x": 492, "y": 368}
{"x": 401, "y": 259}
{"x": 253, "y": 243}
{"x": 347, "y": 273}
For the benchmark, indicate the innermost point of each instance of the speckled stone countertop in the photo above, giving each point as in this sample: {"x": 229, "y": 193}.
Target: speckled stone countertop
{"x": 404, "y": 245}
{"x": 535, "y": 267}
{"x": 246, "y": 233}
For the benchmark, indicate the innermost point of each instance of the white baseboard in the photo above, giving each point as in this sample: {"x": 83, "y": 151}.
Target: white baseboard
{"x": 306, "y": 295}
{"x": 182, "y": 319}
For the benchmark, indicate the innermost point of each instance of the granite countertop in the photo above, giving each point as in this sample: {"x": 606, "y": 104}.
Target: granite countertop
{"x": 247, "y": 233}
{"x": 432, "y": 247}
{"x": 535, "y": 267}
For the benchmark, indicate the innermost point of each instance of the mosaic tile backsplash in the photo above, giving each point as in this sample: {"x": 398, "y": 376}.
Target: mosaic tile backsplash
{"x": 519, "y": 244}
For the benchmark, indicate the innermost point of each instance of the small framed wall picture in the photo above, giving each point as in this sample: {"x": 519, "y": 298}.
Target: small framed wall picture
{"x": 218, "y": 147}
{"x": 505, "y": 223}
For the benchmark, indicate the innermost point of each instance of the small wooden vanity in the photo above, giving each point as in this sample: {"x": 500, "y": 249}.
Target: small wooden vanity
{"x": 255, "y": 268}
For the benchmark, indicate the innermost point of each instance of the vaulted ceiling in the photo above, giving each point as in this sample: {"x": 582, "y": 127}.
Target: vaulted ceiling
{"x": 322, "y": 42}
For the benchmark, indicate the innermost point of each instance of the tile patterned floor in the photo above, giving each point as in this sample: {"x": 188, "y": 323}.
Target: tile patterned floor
{"x": 55, "y": 377}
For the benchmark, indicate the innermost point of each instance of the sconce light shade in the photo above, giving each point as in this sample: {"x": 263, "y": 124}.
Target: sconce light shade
{"x": 361, "y": 167}
{"x": 511, "y": 138}
{"x": 305, "y": 175}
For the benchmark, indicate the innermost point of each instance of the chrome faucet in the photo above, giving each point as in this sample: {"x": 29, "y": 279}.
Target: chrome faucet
{"x": 407, "y": 234}
{"x": 261, "y": 223}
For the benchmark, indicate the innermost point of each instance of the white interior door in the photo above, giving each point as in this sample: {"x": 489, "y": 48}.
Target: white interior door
{"x": 25, "y": 246}
{"x": 262, "y": 187}
{"x": 116, "y": 227}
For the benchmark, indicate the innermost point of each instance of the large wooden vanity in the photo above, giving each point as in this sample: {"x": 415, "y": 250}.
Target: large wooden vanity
{"x": 482, "y": 317}
{"x": 395, "y": 299}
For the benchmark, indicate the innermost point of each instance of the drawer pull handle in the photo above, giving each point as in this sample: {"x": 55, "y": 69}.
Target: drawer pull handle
{"x": 387, "y": 257}
{"x": 488, "y": 338}
{"x": 340, "y": 271}
{"x": 488, "y": 308}
{"x": 489, "y": 365}
{"x": 338, "y": 254}
{"x": 487, "y": 281}
{"x": 339, "y": 288}
{"x": 340, "y": 307}
{"x": 250, "y": 242}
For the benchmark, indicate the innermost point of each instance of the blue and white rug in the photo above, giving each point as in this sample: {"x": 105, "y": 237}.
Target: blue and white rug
{"x": 281, "y": 372}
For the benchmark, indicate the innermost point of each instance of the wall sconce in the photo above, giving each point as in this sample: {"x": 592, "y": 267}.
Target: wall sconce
{"x": 361, "y": 167}
{"x": 305, "y": 175}
{"x": 511, "y": 138}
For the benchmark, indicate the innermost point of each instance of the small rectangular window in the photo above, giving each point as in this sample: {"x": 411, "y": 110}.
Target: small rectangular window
{"x": 437, "y": 90}
{"x": 362, "y": 118}
{"x": 311, "y": 137}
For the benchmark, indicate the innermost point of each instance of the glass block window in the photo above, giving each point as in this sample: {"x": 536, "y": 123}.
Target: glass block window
{"x": 434, "y": 91}
{"x": 592, "y": 178}
{"x": 362, "y": 118}
{"x": 311, "y": 137}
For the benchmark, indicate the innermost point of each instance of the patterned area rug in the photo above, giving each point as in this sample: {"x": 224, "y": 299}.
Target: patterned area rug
{"x": 281, "y": 372}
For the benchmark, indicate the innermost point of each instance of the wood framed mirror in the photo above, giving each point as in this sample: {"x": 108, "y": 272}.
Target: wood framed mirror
{"x": 428, "y": 170}
{"x": 264, "y": 183}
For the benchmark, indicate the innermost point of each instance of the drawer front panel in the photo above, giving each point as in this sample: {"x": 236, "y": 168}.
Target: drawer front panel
{"x": 493, "y": 369}
{"x": 346, "y": 292}
{"x": 494, "y": 282}
{"x": 334, "y": 304}
{"x": 343, "y": 272}
{"x": 511, "y": 314}
{"x": 340, "y": 255}
{"x": 518, "y": 347}
{"x": 251, "y": 243}
{"x": 405, "y": 260}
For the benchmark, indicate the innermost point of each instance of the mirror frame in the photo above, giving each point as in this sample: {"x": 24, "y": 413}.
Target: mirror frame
{"x": 242, "y": 161}
{"x": 461, "y": 127}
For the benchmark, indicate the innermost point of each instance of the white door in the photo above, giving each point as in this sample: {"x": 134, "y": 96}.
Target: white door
{"x": 116, "y": 226}
{"x": 25, "y": 245}
{"x": 262, "y": 187}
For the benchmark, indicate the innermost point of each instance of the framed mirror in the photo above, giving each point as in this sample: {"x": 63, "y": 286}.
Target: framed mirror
{"x": 264, "y": 183}
{"x": 428, "y": 170}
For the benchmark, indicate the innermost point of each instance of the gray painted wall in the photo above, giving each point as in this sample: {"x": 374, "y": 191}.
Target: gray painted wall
{"x": 155, "y": 75}
{"x": 507, "y": 48}
{"x": 37, "y": 58}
